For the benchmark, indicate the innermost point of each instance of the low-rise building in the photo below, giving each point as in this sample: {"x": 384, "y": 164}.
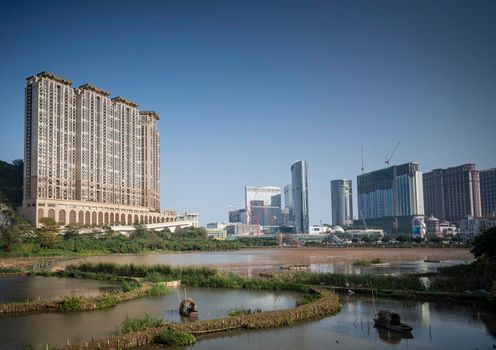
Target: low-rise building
{"x": 432, "y": 226}
{"x": 319, "y": 230}
{"x": 189, "y": 216}
{"x": 472, "y": 226}
{"x": 240, "y": 230}
{"x": 215, "y": 233}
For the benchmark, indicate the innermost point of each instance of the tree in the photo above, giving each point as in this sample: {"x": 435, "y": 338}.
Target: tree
{"x": 70, "y": 231}
{"x": 9, "y": 235}
{"x": 485, "y": 245}
{"x": 48, "y": 232}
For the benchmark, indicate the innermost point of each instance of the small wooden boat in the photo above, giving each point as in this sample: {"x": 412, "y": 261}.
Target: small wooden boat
{"x": 432, "y": 261}
{"x": 392, "y": 321}
{"x": 188, "y": 308}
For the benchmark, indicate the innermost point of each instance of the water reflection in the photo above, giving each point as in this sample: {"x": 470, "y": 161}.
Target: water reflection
{"x": 21, "y": 288}
{"x": 391, "y": 337}
{"x": 436, "y": 326}
{"x": 57, "y": 328}
{"x": 251, "y": 262}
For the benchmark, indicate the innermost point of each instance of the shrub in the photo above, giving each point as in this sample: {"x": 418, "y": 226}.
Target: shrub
{"x": 172, "y": 338}
{"x": 72, "y": 303}
{"x": 154, "y": 277}
{"x": 157, "y": 289}
{"x": 140, "y": 323}
{"x": 240, "y": 311}
{"x": 307, "y": 299}
{"x": 108, "y": 300}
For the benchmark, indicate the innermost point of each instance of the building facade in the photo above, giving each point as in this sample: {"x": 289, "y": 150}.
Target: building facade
{"x": 263, "y": 205}
{"x": 237, "y": 216}
{"x": 453, "y": 193}
{"x": 488, "y": 192}
{"x": 471, "y": 226}
{"x": 88, "y": 159}
{"x": 342, "y": 202}
{"x": 288, "y": 211}
{"x": 389, "y": 198}
{"x": 299, "y": 184}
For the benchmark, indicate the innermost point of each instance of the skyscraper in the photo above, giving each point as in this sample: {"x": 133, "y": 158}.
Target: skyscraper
{"x": 288, "y": 214}
{"x": 452, "y": 193}
{"x": 299, "y": 184}
{"x": 391, "y": 197}
{"x": 342, "y": 202}
{"x": 488, "y": 192}
{"x": 263, "y": 205}
{"x": 88, "y": 159}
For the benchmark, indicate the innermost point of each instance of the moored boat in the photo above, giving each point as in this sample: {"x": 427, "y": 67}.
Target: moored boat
{"x": 392, "y": 321}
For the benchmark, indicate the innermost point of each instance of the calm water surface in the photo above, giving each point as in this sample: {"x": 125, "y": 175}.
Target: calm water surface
{"x": 451, "y": 327}
{"x": 21, "y": 288}
{"x": 251, "y": 262}
{"x": 57, "y": 328}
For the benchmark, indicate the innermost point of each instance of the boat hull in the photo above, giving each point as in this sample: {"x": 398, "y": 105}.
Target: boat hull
{"x": 400, "y": 328}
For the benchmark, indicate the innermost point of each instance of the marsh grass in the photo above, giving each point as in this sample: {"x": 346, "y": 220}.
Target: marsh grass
{"x": 173, "y": 338}
{"x": 140, "y": 323}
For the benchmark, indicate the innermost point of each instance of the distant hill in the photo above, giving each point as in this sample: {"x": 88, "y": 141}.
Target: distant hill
{"x": 11, "y": 178}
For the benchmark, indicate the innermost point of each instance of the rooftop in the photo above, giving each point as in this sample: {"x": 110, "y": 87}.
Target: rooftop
{"x": 94, "y": 89}
{"x": 52, "y": 76}
{"x": 125, "y": 101}
{"x": 151, "y": 114}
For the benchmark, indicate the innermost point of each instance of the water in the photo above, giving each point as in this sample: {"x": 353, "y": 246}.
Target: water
{"x": 251, "y": 262}
{"x": 452, "y": 327}
{"x": 57, "y": 328}
{"x": 21, "y": 288}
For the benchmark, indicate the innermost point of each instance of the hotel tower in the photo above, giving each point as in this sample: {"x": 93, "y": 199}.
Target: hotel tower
{"x": 88, "y": 158}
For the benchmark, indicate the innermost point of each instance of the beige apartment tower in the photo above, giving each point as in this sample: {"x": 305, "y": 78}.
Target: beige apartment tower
{"x": 89, "y": 159}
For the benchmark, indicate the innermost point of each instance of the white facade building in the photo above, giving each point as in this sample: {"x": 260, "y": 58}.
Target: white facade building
{"x": 88, "y": 159}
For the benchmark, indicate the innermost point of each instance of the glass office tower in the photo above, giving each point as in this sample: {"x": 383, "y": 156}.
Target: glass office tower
{"x": 299, "y": 171}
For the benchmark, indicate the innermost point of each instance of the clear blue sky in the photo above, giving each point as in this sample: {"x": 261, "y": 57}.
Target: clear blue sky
{"x": 244, "y": 88}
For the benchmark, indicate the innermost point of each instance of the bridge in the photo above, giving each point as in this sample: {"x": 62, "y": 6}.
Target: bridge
{"x": 159, "y": 226}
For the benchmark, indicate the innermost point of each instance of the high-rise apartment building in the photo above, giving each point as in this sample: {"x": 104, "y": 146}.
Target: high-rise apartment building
{"x": 488, "y": 192}
{"x": 88, "y": 159}
{"x": 342, "y": 202}
{"x": 389, "y": 198}
{"x": 453, "y": 193}
{"x": 263, "y": 205}
{"x": 299, "y": 184}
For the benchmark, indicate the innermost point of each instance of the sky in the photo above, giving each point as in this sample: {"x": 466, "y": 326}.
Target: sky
{"x": 244, "y": 88}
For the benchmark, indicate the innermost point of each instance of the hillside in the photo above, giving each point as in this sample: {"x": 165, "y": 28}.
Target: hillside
{"x": 11, "y": 183}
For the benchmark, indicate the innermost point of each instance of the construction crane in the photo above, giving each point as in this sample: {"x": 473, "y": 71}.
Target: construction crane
{"x": 361, "y": 153}
{"x": 388, "y": 159}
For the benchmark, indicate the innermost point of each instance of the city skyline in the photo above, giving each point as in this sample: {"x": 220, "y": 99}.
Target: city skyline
{"x": 308, "y": 81}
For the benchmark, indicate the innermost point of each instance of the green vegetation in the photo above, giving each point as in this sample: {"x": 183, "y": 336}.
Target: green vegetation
{"x": 172, "y": 338}
{"x": 157, "y": 289}
{"x": 398, "y": 282}
{"x": 107, "y": 300}
{"x": 239, "y": 311}
{"x": 485, "y": 245}
{"x": 190, "y": 276}
{"x": 17, "y": 241}
{"x": 307, "y": 299}
{"x": 139, "y": 323}
{"x": 11, "y": 183}
{"x": 69, "y": 303}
